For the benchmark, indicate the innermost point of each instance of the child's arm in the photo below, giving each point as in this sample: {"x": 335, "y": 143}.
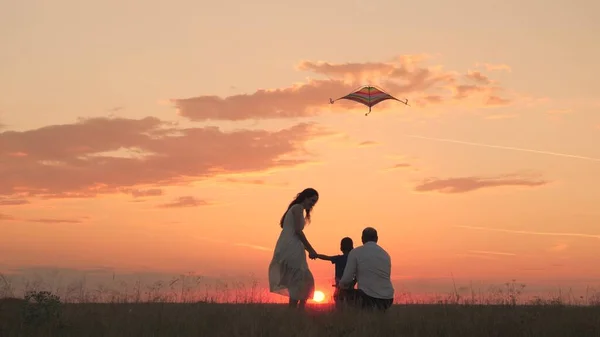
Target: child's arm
{"x": 324, "y": 257}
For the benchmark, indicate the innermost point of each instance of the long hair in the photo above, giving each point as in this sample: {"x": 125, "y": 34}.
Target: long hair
{"x": 300, "y": 197}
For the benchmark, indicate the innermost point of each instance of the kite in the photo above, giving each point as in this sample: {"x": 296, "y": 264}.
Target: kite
{"x": 369, "y": 96}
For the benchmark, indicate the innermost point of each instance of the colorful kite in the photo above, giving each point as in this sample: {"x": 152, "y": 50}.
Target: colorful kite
{"x": 369, "y": 96}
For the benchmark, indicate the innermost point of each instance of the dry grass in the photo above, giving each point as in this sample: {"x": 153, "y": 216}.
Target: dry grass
{"x": 233, "y": 320}
{"x": 181, "y": 308}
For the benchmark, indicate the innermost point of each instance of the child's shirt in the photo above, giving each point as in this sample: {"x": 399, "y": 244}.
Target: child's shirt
{"x": 340, "y": 264}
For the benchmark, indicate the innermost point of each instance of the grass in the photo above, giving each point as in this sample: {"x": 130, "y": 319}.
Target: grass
{"x": 233, "y": 320}
{"x": 167, "y": 310}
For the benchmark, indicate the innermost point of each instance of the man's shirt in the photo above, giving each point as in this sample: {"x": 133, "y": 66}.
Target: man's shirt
{"x": 372, "y": 266}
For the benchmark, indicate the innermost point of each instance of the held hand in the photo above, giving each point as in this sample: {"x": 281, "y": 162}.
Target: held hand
{"x": 312, "y": 254}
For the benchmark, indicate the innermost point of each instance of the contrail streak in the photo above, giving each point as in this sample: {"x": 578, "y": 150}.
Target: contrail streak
{"x": 266, "y": 249}
{"x": 558, "y": 154}
{"x": 491, "y": 253}
{"x": 531, "y": 232}
{"x": 245, "y": 245}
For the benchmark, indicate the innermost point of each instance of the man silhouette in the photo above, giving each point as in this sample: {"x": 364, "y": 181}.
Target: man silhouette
{"x": 372, "y": 267}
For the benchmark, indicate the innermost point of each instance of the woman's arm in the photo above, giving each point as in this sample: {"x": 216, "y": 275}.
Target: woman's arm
{"x": 298, "y": 213}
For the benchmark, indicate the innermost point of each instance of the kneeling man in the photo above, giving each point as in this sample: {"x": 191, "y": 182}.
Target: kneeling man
{"x": 372, "y": 267}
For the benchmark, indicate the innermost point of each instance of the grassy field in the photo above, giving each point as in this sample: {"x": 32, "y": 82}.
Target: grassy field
{"x": 179, "y": 308}
{"x": 17, "y": 318}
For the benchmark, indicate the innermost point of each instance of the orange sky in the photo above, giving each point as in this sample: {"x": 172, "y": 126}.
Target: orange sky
{"x": 168, "y": 139}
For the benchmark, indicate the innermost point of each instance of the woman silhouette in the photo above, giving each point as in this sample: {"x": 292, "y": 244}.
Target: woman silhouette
{"x": 289, "y": 274}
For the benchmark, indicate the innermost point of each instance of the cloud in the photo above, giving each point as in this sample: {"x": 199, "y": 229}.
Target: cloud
{"x": 398, "y": 166}
{"x": 55, "y": 220}
{"x": 501, "y": 116}
{"x": 113, "y": 155}
{"x": 13, "y": 202}
{"x": 42, "y": 220}
{"x": 494, "y": 67}
{"x": 260, "y": 182}
{"x": 497, "y": 101}
{"x": 464, "y": 90}
{"x": 6, "y": 217}
{"x": 368, "y": 143}
{"x": 469, "y": 184}
{"x": 478, "y": 77}
{"x": 593, "y": 236}
{"x": 245, "y": 181}
{"x": 559, "y": 111}
{"x": 430, "y": 99}
{"x": 559, "y": 247}
{"x": 116, "y": 109}
{"x": 404, "y": 76}
{"x": 186, "y": 201}
{"x": 153, "y": 192}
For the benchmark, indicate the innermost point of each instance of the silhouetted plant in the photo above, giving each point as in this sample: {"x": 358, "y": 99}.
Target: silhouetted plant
{"x": 41, "y": 307}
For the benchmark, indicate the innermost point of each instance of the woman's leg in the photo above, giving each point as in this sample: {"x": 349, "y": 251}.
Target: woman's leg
{"x": 300, "y": 304}
{"x": 310, "y": 289}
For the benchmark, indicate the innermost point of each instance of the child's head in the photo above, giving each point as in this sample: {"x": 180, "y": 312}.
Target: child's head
{"x": 346, "y": 245}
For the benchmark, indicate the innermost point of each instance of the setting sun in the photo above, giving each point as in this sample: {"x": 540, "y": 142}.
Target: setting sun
{"x": 318, "y": 296}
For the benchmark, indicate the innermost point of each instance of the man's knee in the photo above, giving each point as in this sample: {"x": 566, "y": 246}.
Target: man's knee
{"x": 368, "y": 302}
{"x": 345, "y": 297}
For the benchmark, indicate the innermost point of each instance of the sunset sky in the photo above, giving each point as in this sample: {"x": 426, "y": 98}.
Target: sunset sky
{"x": 169, "y": 137}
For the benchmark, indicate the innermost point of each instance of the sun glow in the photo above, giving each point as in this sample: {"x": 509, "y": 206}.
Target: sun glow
{"x": 318, "y": 296}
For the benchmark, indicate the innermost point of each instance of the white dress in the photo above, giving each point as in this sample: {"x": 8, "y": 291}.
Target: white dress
{"x": 288, "y": 271}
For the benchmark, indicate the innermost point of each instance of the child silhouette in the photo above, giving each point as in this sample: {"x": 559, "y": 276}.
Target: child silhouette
{"x": 346, "y": 245}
